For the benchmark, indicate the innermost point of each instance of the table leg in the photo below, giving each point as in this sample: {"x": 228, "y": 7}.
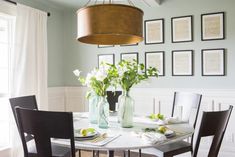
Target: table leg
{"x": 127, "y": 153}
{"x": 110, "y": 153}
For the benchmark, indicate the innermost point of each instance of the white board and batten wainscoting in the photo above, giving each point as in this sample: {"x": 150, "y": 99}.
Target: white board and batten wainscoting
{"x": 155, "y": 100}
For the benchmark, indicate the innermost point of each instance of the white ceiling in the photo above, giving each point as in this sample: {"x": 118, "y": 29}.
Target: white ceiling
{"x": 75, "y": 4}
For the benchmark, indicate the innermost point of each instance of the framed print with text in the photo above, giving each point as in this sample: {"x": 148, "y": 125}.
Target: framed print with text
{"x": 213, "y": 27}
{"x": 106, "y": 58}
{"x": 182, "y": 29}
{"x": 154, "y": 31}
{"x": 130, "y": 56}
{"x": 213, "y": 62}
{"x": 182, "y": 63}
{"x": 156, "y": 60}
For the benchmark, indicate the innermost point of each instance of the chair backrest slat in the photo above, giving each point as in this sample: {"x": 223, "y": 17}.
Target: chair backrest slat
{"x": 28, "y": 102}
{"x": 189, "y": 102}
{"x": 213, "y": 124}
{"x": 44, "y": 125}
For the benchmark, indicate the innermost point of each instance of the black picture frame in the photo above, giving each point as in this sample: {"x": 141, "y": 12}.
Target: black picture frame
{"x": 130, "y": 53}
{"x": 105, "y": 46}
{"x": 102, "y": 55}
{"x": 190, "y": 38}
{"x": 203, "y": 37}
{"x": 162, "y": 53}
{"x": 222, "y": 59}
{"x": 162, "y": 35}
{"x": 190, "y": 66}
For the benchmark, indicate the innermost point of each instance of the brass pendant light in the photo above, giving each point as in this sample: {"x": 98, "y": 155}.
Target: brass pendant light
{"x": 110, "y": 24}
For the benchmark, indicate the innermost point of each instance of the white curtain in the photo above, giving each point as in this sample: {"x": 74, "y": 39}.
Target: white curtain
{"x": 29, "y": 61}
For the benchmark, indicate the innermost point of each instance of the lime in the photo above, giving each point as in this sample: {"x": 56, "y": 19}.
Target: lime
{"x": 162, "y": 129}
{"x": 83, "y": 132}
{"x": 160, "y": 116}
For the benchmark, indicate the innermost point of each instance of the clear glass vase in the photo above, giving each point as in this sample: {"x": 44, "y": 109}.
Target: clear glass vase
{"x": 103, "y": 113}
{"x": 93, "y": 108}
{"x": 126, "y": 110}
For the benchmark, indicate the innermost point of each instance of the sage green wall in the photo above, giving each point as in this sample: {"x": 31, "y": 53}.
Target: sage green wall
{"x": 55, "y": 40}
{"x": 84, "y": 56}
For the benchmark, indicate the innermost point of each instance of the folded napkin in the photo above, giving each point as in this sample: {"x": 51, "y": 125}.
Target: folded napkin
{"x": 173, "y": 120}
{"x": 153, "y": 137}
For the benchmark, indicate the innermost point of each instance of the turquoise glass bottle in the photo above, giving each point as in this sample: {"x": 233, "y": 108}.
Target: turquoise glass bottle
{"x": 103, "y": 113}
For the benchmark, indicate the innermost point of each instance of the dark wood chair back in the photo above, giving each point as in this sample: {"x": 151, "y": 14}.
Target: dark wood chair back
{"x": 28, "y": 102}
{"x": 213, "y": 124}
{"x": 44, "y": 125}
{"x": 112, "y": 98}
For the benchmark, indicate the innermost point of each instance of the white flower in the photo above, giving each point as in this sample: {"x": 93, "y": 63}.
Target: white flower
{"x": 122, "y": 70}
{"x": 77, "y": 72}
{"x": 101, "y": 74}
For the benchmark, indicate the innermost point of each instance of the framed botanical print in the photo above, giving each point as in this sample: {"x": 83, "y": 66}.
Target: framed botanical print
{"x": 130, "y": 56}
{"x": 106, "y": 58}
{"x": 105, "y": 46}
{"x": 156, "y": 60}
{"x": 182, "y": 29}
{"x": 154, "y": 31}
{"x": 213, "y": 27}
{"x": 182, "y": 63}
{"x": 213, "y": 62}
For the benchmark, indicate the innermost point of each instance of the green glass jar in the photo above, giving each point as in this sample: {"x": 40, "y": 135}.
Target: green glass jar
{"x": 93, "y": 108}
{"x": 125, "y": 110}
{"x": 103, "y": 113}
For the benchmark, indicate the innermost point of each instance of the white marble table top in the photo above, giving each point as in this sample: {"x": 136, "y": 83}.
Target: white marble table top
{"x": 127, "y": 139}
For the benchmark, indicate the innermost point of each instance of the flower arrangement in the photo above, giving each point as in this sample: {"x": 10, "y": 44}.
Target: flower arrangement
{"x": 98, "y": 80}
{"x": 128, "y": 73}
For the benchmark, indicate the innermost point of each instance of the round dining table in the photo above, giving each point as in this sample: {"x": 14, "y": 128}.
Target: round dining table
{"x": 125, "y": 138}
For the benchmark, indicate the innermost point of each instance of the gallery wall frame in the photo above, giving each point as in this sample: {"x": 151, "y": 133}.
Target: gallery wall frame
{"x": 213, "y": 26}
{"x": 106, "y": 58}
{"x": 182, "y": 63}
{"x": 154, "y": 31}
{"x": 130, "y": 56}
{"x": 182, "y": 29}
{"x": 155, "y": 59}
{"x": 213, "y": 62}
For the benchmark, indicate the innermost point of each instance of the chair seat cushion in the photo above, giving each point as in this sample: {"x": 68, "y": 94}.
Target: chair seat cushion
{"x": 174, "y": 148}
{"x": 57, "y": 151}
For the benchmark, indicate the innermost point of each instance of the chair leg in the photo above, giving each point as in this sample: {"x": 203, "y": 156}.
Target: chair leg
{"x": 139, "y": 152}
{"x": 110, "y": 153}
{"x": 79, "y": 153}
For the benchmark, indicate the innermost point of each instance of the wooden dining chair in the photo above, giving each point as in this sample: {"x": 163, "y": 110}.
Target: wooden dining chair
{"x": 45, "y": 125}
{"x": 29, "y": 102}
{"x": 212, "y": 124}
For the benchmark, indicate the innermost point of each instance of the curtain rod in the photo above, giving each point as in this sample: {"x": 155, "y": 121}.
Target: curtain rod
{"x": 13, "y": 2}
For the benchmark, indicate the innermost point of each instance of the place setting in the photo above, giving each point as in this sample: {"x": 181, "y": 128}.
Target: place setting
{"x": 91, "y": 136}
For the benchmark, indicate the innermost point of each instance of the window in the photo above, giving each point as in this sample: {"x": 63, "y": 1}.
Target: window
{"x": 6, "y": 46}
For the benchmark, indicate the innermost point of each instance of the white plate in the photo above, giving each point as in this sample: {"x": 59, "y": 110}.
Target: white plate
{"x": 89, "y": 134}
